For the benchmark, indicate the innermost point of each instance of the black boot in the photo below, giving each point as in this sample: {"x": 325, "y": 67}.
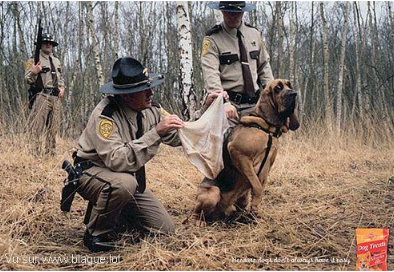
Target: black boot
{"x": 103, "y": 242}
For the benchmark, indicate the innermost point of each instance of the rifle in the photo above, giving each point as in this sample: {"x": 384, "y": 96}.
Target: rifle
{"x": 38, "y": 43}
{"x": 36, "y": 88}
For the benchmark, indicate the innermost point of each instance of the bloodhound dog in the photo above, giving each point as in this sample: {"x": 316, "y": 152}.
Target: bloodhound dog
{"x": 249, "y": 153}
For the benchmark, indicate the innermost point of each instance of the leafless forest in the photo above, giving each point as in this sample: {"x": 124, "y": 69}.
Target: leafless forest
{"x": 339, "y": 55}
{"x": 330, "y": 177}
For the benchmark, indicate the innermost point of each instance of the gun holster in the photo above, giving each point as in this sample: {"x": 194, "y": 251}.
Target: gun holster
{"x": 33, "y": 91}
{"x": 72, "y": 182}
{"x": 70, "y": 185}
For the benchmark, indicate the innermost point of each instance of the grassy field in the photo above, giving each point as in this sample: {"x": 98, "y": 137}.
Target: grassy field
{"x": 320, "y": 190}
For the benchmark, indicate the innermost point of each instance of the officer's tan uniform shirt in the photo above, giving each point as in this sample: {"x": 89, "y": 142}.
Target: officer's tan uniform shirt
{"x": 221, "y": 64}
{"x": 108, "y": 141}
{"x": 46, "y": 71}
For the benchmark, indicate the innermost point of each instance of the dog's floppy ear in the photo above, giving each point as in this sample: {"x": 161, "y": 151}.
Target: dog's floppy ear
{"x": 266, "y": 108}
{"x": 294, "y": 124}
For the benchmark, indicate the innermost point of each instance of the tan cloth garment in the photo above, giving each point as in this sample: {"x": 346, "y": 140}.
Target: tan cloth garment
{"x": 202, "y": 140}
{"x": 44, "y": 122}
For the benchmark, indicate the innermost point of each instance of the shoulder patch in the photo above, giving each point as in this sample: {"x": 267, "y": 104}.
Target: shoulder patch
{"x": 106, "y": 127}
{"x": 249, "y": 25}
{"x": 213, "y": 30}
{"x": 205, "y": 46}
{"x": 28, "y": 64}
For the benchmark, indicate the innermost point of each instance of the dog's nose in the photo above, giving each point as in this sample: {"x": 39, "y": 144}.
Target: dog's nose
{"x": 292, "y": 94}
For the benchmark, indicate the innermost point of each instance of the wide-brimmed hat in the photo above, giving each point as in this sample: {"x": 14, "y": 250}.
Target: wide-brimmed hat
{"x": 49, "y": 38}
{"x": 130, "y": 76}
{"x": 232, "y": 6}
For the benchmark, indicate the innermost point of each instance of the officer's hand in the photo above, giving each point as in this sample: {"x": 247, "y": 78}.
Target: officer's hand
{"x": 169, "y": 123}
{"x": 61, "y": 93}
{"x": 212, "y": 96}
{"x": 36, "y": 69}
{"x": 231, "y": 111}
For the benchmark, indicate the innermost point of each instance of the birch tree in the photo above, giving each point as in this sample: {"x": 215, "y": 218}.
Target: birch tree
{"x": 96, "y": 51}
{"x": 186, "y": 86}
{"x": 116, "y": 31}
{"x": 341, "y": 68}
{"x": 278, "y": 8}
{"x": 326, "y": 58}
{"x": 358, "y": 93}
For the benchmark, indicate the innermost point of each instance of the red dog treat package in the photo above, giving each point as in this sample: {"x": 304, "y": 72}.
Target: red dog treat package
{"x": 372, "y": 247}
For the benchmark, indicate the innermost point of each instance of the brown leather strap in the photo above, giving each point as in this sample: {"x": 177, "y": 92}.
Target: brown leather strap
{"x": 247, "y": 75}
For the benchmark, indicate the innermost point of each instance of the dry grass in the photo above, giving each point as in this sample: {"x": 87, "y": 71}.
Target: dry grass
{"x": 320, "y": 190}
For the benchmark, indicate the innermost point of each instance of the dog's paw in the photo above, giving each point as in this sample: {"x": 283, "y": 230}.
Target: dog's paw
{"x": 230, "y": 210}
{"x": 256, "y": 212}
{"x": 200, "y": 223}
{"x": 199, "y": 220}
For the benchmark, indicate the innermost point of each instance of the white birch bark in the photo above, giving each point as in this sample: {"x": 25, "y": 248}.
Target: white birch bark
{"x": 341, "y": 68}
{"x": 292, "y": 42}
{"x": 218, "y": 16}
{"x": 186, "y": 59}
{"x": 116, "y": 31}
{"x": 326, "y": 58}
{"x": 96, "y": 50}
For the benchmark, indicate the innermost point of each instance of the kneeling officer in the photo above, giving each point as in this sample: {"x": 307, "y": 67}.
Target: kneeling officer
{"x": 123, "y": 133}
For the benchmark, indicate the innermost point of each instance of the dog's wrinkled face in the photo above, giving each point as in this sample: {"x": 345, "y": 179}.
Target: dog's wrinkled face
{"x": 278, "y": 102}
{"x": 283, "y": 96}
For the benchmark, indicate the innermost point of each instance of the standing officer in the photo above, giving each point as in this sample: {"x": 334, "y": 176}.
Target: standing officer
{"x": 123, "y": 133}
{"x": 46, "y": 77}
{"x": 234, "y": 62}
{"x": 234, "y": 59}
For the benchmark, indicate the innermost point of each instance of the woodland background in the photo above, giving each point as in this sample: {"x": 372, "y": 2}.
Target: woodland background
{"x": 333, "y": 175}
{"x": 339, "y": 55}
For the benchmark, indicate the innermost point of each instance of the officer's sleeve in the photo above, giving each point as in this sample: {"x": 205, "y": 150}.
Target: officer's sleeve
{"x": 264, "y": 68}
{"x": 210, "y": 65}
{"x": 61, "y": 78}
{"x": 122, "y": 156}
{"x": 29, "y": 76}
{"x": 172, "y": 137}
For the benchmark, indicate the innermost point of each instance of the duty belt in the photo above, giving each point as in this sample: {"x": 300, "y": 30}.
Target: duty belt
{"x": 81, "y": 163}
{"x": 241, "y": 98}
{"x": 51, "y": 91}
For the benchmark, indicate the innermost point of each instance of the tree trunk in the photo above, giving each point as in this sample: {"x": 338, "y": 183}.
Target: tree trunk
{"x": 116, "y": 31}
{"x": 390, "y": 13}
{"x": 16, "y": 65}
{"x": 218, "y": 16}
{"x": 341, "y": 68}
{"x": 326, "y": 58}
{"x": 186, "y": 86}
{"x": 292, "y": 42}
{"x": 22, "y": 44}
{"x": 278, "y": 8}
{"x": 96, "y": 50}
{"x": 358, "y": 93}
